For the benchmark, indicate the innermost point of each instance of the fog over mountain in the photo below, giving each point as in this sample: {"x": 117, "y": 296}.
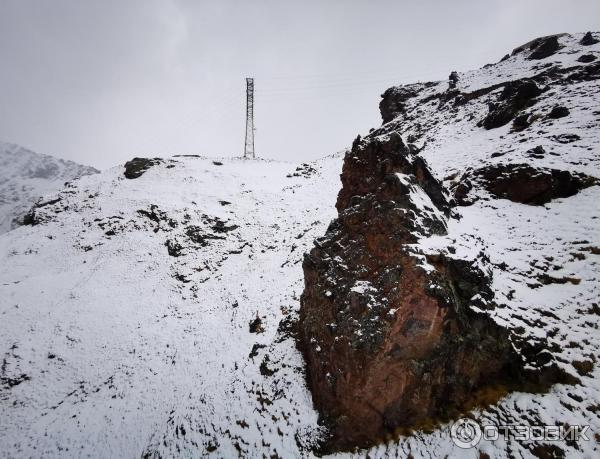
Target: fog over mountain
{"x": 98, "y": 82}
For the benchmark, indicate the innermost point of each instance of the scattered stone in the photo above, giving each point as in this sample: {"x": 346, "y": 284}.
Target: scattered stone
{"x": 565, "y": 138}
{"x": 264, "y": 367}
{"x": 547, "y": 279}
{"x": 159, "y": 217}
{"x": 220, "y": 226}
{"x": 558, "y": 112}
{"x": 304, "y": 170}
{"x": 255, "y": 349}
{"x": 536, "y": 152}
{"x": 8, "y": 382}
{"x": 181, "y": 278}
{"x": 256, "y": 325}
{"x": 199, "y": 236}
{"x": 174, "y": 248}
{"x": 586, "y": 58}
{"x": 137, "y": 166}
{"x": 588, "y": 39}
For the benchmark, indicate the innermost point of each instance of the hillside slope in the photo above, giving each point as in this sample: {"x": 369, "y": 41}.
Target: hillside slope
{"x": 151, "y": 316}
{"x": 26, "y": 176}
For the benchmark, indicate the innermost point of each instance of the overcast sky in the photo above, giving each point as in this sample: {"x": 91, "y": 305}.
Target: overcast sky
{"x": 102, "y": 81}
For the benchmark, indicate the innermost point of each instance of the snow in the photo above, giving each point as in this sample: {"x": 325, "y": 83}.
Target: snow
{"x": 139, "y": 356}
{"x": 113, "y": 348}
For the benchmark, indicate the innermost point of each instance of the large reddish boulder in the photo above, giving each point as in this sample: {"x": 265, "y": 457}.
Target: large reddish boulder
{"x": 390, "y": 336}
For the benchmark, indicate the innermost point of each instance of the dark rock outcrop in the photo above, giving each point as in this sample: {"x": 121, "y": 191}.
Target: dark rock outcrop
{"x": 453, "y": 80}
{"x": 536, "y": 152}
{"x": 558, "y": 112}
{"x": 586, "y": 58}
{"x": 137, "y": 166}
{"x": 521, "y": 122}
{"x": 32, "y": 217}
{"x": 522, "y": 183}
{"x": 393, "y": 100}
{"x": 588, "y": 39}
{"x": 546, "y": 47}
{"x": 566, "y": 138}
{"x": 390, "y": 343}
{"x": 516, "y": 95}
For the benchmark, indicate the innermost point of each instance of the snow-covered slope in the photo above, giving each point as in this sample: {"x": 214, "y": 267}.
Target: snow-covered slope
{"x": 114, "y": 348}
{"x": 25, "y": 176}
{"x": 151, "y": 316}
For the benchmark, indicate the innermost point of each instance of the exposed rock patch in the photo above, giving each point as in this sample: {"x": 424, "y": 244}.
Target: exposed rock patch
{"x": 558, "y": 112}
{"x": 137, "y": 166}
{"x": 586, "y": 58}
{"x": 522, "y": 183}
{"x": 588, "y": 39}
{"x": 32, "y": 217}
{"x": 516, "y": 95}
{"x": 545, "y": 47}
{"x": 394, "y": 99}
{"x": 304, "y": 170}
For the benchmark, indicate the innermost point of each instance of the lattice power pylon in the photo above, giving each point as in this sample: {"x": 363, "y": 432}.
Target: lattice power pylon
{"x": 249, "y": 147}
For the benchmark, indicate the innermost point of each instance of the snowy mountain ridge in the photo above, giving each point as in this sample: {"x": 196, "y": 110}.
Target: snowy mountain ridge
{"x": 154, "y": 316}
{"x": 25, "y": 176}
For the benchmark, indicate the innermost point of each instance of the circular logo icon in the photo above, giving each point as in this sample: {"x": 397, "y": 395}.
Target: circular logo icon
{"x": 465, "y": 433}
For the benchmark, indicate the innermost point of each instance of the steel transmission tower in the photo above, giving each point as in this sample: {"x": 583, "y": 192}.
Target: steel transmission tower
{"x": 249, "y": 147}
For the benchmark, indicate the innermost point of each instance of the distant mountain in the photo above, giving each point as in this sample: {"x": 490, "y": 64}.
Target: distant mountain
{"x": 26, "y": 176}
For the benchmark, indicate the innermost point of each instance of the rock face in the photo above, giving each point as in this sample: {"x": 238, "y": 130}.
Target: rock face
{"x": 393, "y": 100}
{"x": 522, "y": 183}
{"x": 390, "y": 339}
{"x": 546, "y": 47}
